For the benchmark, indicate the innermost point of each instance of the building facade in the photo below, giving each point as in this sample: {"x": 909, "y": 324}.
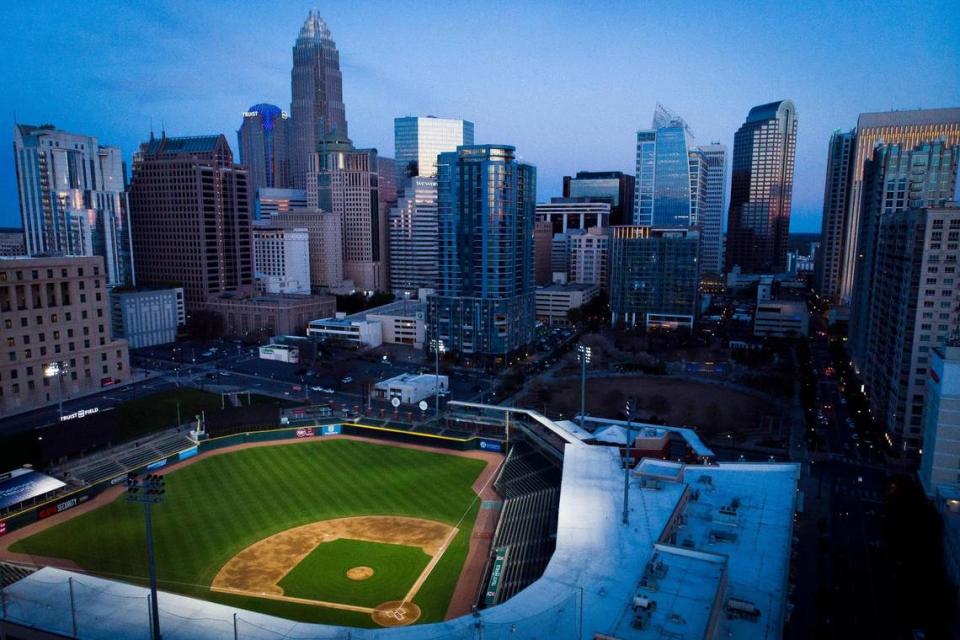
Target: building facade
{"x": 913, "y": 309}
{"x": 555, "y": 301}
{"x": 761, "y": 191}
{"x": 55, "y": 314}
{"x": 282, "y": 259}
{"x": 147, "y": 317}
{"x": 414, "y": 252}
{"x": 262, "y": 141}
{"x": 72, "y": 198}
{"x": 316, "y": 108}
{"x": 940, "y": 462}
{"x": 419, "y": 140}
{"x": 260, "y": 317}
{"x": 590, "y": 258}
{"x": 566, "y": 214}
{"x": 270, "y": 201}
{"x": 542, "y": 248}
{"x": 12, "y": 242}
{"x": 894, "y": 179}
{"x": 484, "y": 307}
{"x": 613, "y": 187}
{"x": 190, "y": 214}
{"x": 906, "y": 128}
{"x": 836, "y": 194}
{"x": 663, "y": 198}
{"x": 325, "y": 244}
{"x": 708, "y": 173}
{"x": 653, "y": 276}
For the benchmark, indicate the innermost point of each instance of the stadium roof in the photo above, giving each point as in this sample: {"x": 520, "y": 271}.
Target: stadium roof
{"x": 732, "y": 527}
{"x": 21, "y": 485}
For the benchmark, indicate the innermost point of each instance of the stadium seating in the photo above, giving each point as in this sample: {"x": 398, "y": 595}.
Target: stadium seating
{"x": 530, "y": 484}
{"x": 10, "y": 572}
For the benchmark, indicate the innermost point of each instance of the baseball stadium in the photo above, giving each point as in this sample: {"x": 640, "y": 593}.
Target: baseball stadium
{"x": 509, "y": 524}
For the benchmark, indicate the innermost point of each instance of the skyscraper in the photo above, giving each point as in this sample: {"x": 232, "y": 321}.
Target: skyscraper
{"x": 344, "y": 180}
{"x": 484, "y": 307}
{"x": 262, "y": 139}
{"x": 317, "y": 106}
{"x": 418, "y": 141}
{"x": 190, "y": 217}
{"x": 894, "y": 179}
{"x": 662, "y": 196}
{"x": 913, "y": 306}
{"x": 613, "y": 187}
{"x": 761, "y": 189}
{"x": 414, "y": 248}
{"x": 836, "y": 193}
{"x": 708, "y": 173}
{"x": 72, "y": 198}
{"x": 908, "y": 128}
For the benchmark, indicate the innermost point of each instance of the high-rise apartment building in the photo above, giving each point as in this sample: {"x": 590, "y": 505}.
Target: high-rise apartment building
{"x": 907, "y": 128}
{"x": 484, "y": 308}
{"x": 55, "y": 319}
{"x": 419, "y": 140}
{"x": 262, "y": 140}
{"x": 940, "y": 462}
{"x": 190, "y": 217}
{"x": 894, "y": 179}
{"x": 761, "y": 191}
{"x": 414, "y": 251}
{"x": 344, "y": 180}
{"x": 590, "y": 257}
{"x": 836, "y": 193}
{"x": 653, "y": 276}
{"x": 913, "y": 309}
{"x": 662, "y": 198}
{"x": 613, "y": 187}
{"x": 316, "y": 108}
{"x": 708, "y": 179}
{"x": 282, "y": 259}
{"x": 325, "y": 241}
{"x": 542, "y": 244}
{"x": 72, "y": 198}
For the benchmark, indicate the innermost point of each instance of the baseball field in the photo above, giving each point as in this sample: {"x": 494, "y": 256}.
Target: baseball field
{"x": 338, "y": 531}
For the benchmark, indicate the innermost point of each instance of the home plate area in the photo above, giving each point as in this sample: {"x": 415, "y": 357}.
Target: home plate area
{"x": 368, "y": 564}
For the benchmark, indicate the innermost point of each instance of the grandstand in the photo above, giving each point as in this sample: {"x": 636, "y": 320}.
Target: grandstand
{"x": 118, "y": 460}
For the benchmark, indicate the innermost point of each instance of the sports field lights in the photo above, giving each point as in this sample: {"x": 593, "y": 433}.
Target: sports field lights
{"x": 148, "y": 491}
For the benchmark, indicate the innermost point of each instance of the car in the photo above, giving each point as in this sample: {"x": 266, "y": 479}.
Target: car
{"x": 346, "y": 380}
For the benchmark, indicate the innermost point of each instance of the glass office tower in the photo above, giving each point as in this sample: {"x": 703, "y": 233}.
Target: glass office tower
{"x": 484, "y": 308}
{"x": 262, "y": 140}
{"x": 662, "y": 196}
{"x": 418, "y": 141}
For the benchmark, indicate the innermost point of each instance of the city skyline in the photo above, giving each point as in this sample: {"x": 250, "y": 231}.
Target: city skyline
{"x": 112, "y": 97}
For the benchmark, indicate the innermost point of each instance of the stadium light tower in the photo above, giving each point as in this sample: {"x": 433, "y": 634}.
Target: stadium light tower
{"x": 626, "y": 461}
{"x": 148, "y": 491}
{"x": 583, "y": 351}
{"x": 438, "y": 348}
{"x": 57, "y": 369}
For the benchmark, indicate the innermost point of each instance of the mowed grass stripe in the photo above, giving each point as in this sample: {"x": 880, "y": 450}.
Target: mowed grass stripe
{"x": 222, "y": 504}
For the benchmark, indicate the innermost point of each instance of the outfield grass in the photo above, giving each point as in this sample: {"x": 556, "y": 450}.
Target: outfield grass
{"x": 222, "y": 504}
{"x": 323, "y": 574}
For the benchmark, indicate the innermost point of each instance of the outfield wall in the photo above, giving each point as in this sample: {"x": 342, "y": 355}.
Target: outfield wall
{"x": 79, "y": 496}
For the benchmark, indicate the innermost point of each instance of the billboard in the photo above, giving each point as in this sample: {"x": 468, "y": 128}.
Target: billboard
{"x": 491, "y": 445}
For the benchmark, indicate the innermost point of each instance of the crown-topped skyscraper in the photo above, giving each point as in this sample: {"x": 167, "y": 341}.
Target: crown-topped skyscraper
{"x": 316, "y": 107}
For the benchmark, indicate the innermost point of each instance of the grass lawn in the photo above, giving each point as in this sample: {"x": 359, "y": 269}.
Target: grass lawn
{"x": 224, "y": 503}
{"x": 158, "y": 411}
{"x": 323, "y": 574}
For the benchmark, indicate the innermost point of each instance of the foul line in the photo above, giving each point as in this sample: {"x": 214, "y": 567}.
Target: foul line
{"x": 273, "y": 596}
{"x": 430, "y": 565}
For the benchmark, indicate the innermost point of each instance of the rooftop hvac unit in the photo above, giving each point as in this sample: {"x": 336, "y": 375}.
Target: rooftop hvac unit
{"x": 644, "y": 603}
{"x": 737, "y": 608}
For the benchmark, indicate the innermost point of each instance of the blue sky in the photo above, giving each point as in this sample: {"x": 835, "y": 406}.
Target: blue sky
{"x": 567, "y": 83}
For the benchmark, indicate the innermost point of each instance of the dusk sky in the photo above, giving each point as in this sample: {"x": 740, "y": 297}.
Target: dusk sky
{"x": 567, "y": 84}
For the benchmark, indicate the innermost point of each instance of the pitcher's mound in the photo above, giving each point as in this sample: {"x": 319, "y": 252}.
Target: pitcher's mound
{"x": 396, "y": 613}
{"x": 359, "y": 573}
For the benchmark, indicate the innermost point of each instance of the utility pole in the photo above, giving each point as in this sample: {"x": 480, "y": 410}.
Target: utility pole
{"x": 149, "y": 491}
{"x": 626, "y": 462}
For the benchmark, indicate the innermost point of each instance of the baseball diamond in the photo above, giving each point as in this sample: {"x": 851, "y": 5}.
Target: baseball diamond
{"x": 280, "y": 529}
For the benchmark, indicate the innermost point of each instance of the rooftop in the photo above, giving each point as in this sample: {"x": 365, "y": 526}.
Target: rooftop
{"x": 910, "y": 117}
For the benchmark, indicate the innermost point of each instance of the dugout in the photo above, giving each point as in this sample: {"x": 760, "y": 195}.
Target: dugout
{"x": 24, "y": 487}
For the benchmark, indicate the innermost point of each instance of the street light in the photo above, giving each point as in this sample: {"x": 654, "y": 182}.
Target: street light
{"x": 148, "y": 491}
{"x": 57, "y": 369}
{"x": 583, "y": 353}
{"x": 438, "y": 348}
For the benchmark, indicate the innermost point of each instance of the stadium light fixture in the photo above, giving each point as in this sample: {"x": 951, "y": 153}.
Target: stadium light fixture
{"x": 583, "y": 352}
{"x": 148, "y": 491}
{"x": 56, "y": 369}
{"x": 438, "y": 347}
